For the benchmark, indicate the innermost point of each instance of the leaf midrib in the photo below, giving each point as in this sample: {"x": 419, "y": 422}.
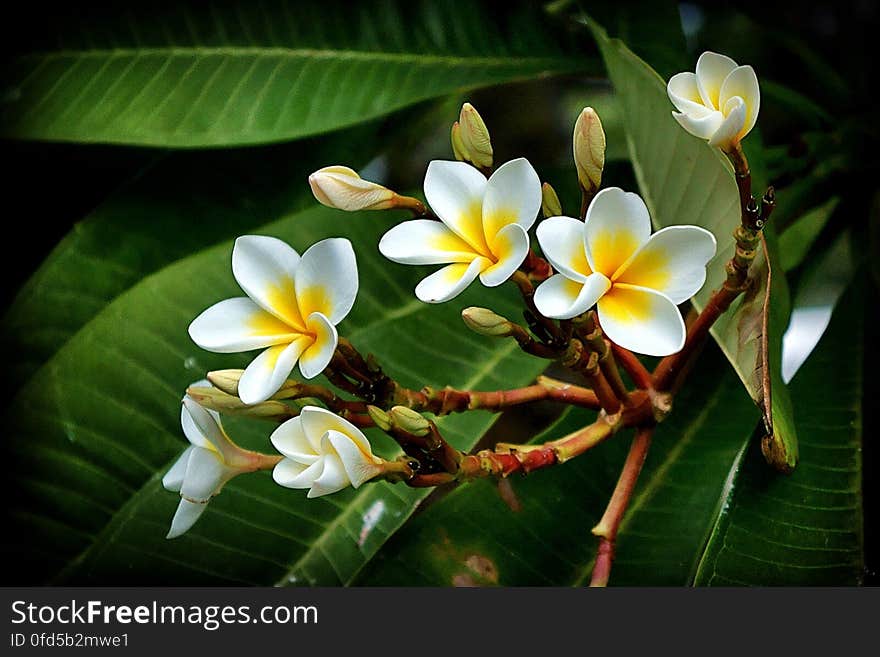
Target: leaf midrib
{"x": 292, "y": 53}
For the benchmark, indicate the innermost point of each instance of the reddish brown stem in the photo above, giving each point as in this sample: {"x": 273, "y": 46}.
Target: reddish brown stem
{"x": 450, "y": 400}
{"x": 535, "y": 267}
{"x": 633, "y": 366}
{"x": 609, "y": 525}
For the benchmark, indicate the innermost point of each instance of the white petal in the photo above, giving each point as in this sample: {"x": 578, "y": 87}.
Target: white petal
{"x": 191, "y": 430}
{"x": 684, "y": 93}
{"x": 454, "y": 191}
{"x": 290, "y": 474}
{"x": 672, "y": 262}
{"x": 703, "y": 127}
{"x": 205, "y": 475}
{"x": 641, "y": 320}
{"x": 743, "y": 82}
{"x": 359, "y": 467}
{"x": 712, "y": 69}
{"x": 562, "y": 241}
{"x": 318, "y": 354}
{"x": 202, "y": 383}
{"x": 173, "y": 479}
{"x": 331, "y": 479}
{"x": 185, "y": 517}
{"x": 732, "y": 126}
{"x": 617, "y": 224}
{"x": 264, "y": 268}
{"x": 450, "y": 281}
{"x": 510, "y": 246}
{"x": 290, "y": 439}
{"x": 268, "y": 371}
{"x": 562, "y": 298}
{"x": 205, "y": 427}
{"x": 513, "y": 195}
{"x": 317, "y": 421}
{"x": 424, "y": 242}
{"x": 327, "y": 279}
{"x": 238, "y": 324}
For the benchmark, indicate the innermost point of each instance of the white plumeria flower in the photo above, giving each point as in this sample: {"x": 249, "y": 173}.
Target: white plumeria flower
{"x": 323, "y": 452}
{"x": 636, "y": 279}
{"x": 719, "y": 102}
{"x": 205, "y": 466}
{"x": 482, "y": 229}
{"x": 292, "y": 307}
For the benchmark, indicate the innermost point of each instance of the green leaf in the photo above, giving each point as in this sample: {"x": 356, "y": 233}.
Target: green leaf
{"x": 93, "y": 431}
{"x": 804, "y": 529}
{"x": 264, "y": 72}
{"x": 684, "y": 181}
{"x": 472, "y": 537}
{"x": 182, "y": 203}
{"x": 796, "y": 240}
{"x": 822, "y": 285}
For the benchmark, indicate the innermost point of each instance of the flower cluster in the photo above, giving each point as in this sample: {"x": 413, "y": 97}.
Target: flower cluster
{"x": 476, "y": 224}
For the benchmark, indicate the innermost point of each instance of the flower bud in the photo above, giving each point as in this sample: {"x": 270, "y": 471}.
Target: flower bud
{"x": 342, "y": 188}
{"x": 589, "y": 149}
{"x": 485, "y": 322}
{"x": 226, "y": 380}
{"x": 217, "y": 400}
{"x": 380, "y": 418}
{"x": 458, "y": 148}
{"x": 409, "y": 420}
{"x": 474, "y": 137}
{"x": 550, "y": 205}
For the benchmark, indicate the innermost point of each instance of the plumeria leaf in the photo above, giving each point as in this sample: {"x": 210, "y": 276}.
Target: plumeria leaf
{"x": 704, "y": 477}
{"x": 264, "y": 72}
{"x": 685, "y": 181}
{"x": 183, "y": 203}
{"x": 93, "y": 432}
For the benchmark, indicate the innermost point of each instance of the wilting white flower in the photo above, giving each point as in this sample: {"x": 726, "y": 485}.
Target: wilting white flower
{"x": 482, "y": 229}
{"x": 323, "y": 452}
{"x": 635, "y": 278}
{"x": 292, "y": 307}
{"x": 719, "y": 102}
{"x": 205, "y": 466}
{"x": 342, "y": 188}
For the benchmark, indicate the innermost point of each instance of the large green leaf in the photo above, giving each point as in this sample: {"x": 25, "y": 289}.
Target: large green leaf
{"x": 92, "y": 432}
{"x": 806, "y": 528}
{"x": 706, "y": 509}
{"x": 249, "y": 73}
{"x": 684, "y": 181}
{"x": 182, "y": 203}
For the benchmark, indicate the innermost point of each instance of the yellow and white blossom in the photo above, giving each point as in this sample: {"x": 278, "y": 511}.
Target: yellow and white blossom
{"x": 291, "y": 310}
{"x": 719, "y": 102}
{"x": 342, "y": 188}
{"x": 205, "y": 466}
{"x": 482, "y": 229}
{"x": 636, "y": 279}
{"x": 323, "y": 452}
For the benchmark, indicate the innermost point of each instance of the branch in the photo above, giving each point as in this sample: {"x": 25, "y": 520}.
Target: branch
{"x": 609, "y": 525}
{"x": 450, "y": 400}
{"x": 507, "y": 459}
